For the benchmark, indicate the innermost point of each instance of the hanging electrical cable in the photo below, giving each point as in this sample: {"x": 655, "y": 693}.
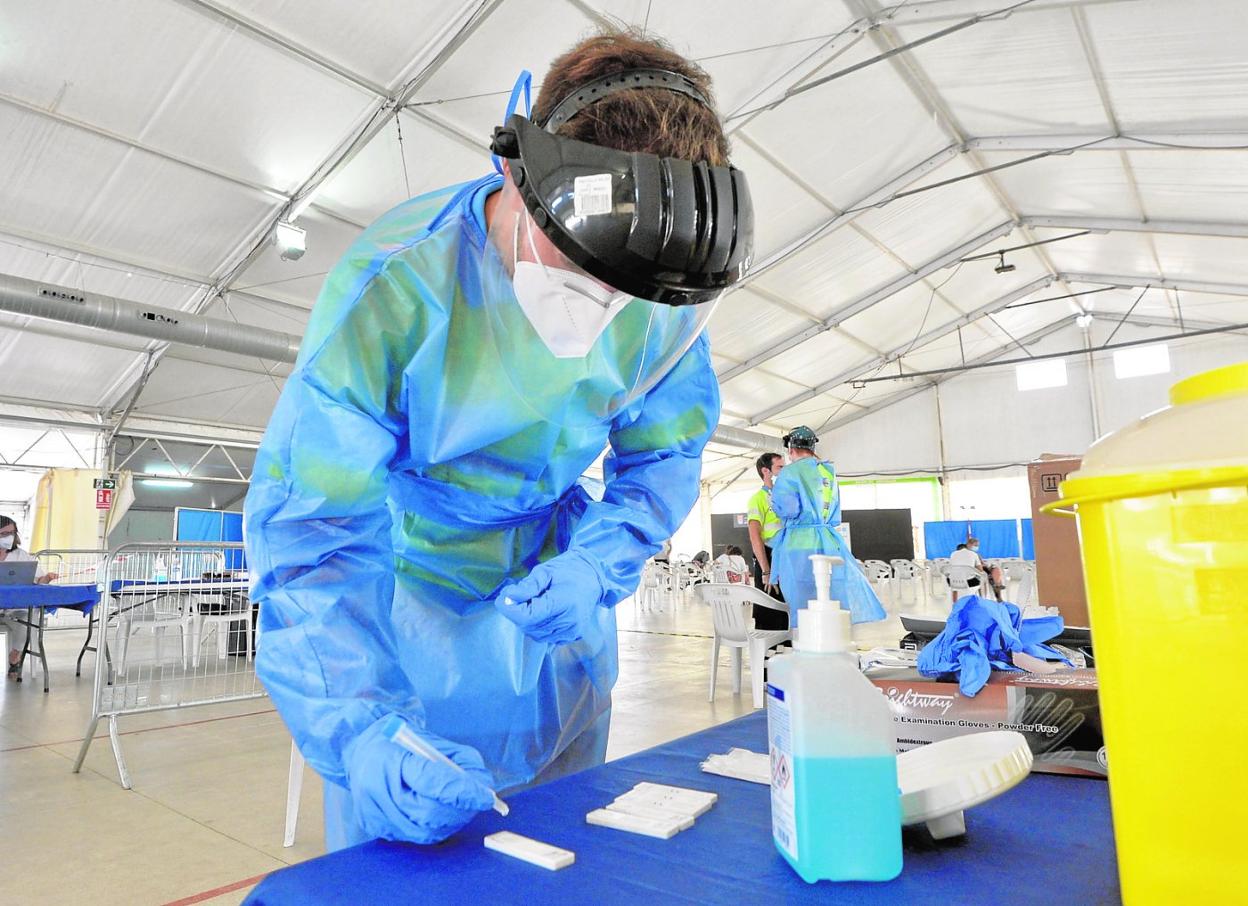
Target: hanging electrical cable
{"x": 1226, "y": 328}
{"x": 1025, "y": 245}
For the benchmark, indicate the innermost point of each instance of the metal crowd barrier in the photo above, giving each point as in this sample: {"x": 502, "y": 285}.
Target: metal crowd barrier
{"x": 82, "y": 566}
{"x": 177, "y": 630}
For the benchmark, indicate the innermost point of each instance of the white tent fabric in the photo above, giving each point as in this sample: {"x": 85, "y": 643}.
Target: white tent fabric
{"x": 149, "y": 147}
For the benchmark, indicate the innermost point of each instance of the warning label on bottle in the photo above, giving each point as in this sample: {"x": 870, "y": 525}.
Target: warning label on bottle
{"x": 780, "y": 746}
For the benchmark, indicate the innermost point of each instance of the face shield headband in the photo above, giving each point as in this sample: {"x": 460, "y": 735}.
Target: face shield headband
{"x": 658, "y": 228}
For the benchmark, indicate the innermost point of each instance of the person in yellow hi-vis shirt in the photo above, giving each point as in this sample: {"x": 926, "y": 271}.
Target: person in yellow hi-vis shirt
{"x": 764, "y": 525}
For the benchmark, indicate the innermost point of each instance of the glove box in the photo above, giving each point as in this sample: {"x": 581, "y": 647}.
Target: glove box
{"x": 1058, "y": 713}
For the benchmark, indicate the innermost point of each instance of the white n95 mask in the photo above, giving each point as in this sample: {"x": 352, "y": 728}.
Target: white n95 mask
{"x": 568, "y": 310}
{"x": 6, "y": 542}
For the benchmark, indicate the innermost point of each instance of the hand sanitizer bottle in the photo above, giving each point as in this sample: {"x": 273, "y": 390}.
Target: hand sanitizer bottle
{"x": 835, "y": 805}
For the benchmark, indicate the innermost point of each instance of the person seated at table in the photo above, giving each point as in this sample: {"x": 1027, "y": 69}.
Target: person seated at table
{"x": 11, "y": 552}
{"x": 732, "y": 564}
{"x": 968, "y": 555}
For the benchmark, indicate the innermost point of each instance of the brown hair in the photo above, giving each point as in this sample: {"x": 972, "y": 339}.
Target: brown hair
{"x": 652, "y": 120}
{"x": 766, "y": 461}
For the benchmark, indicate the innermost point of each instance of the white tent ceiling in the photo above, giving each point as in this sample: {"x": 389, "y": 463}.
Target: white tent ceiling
{"x": 149, "y": 146}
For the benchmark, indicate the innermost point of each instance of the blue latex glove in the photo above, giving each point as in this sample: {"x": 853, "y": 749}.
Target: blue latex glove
{"x": 399, "y": 795}
{"x": 981, "y": 636}
{"x": 557, "y": 601}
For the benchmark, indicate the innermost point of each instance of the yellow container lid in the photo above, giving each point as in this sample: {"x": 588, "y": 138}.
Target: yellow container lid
{"x": 1199, "y": 441}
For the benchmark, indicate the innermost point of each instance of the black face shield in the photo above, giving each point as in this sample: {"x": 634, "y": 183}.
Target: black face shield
{"x": 658, "y": 228}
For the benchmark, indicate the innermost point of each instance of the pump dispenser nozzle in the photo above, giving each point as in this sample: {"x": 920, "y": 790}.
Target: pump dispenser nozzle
{"x": 823, "y": 626}
{"x": 822, "y": 565}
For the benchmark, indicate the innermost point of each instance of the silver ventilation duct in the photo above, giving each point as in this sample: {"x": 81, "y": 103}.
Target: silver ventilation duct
{"x": 750, "y": 440}
{"x": 74, "y": 306}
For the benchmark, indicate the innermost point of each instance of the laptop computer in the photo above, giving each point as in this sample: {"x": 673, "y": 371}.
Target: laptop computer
{"x": 18, "y": 573}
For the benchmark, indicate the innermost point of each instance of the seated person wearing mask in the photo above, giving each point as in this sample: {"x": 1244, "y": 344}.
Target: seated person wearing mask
{"x": 968, "y": 555}
{"x": 11, "y": 552}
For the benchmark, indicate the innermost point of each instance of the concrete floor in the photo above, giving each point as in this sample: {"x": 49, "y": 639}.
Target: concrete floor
{"x": 204, "y": 820}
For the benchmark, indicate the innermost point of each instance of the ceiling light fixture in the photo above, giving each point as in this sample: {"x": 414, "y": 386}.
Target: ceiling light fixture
{"x": 291, "y": 240}
{"x": 1085, "y": 320}
{"x": 1002, "y": 267}
{"x": 166, "y": 483}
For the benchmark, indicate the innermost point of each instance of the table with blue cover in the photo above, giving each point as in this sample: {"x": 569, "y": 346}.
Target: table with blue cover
{"x": 42, "y": 600}
{"x": 1048, "y": 840}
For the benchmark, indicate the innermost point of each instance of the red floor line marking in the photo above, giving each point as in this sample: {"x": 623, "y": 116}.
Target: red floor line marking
{"x": 217, "y": 891}
{"x": 189, "y": 723}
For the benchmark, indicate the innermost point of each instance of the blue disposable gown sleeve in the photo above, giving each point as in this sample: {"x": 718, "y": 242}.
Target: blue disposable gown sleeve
{"x": 319, "y": 544}
{"x": 786, "y": 498}
{"x": 652, "y": 473}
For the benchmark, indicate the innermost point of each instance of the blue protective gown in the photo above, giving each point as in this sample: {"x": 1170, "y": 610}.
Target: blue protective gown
{"x": 808, "y": 502}
{"x": 403, "y": 480}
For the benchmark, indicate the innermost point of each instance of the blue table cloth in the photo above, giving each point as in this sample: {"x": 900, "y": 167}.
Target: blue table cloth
{"x": 48, "y": 597}
{"x": 1046, "y": 841}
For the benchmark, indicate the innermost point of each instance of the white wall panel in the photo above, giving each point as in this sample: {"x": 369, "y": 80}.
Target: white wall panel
{"x": 900, "y": 437}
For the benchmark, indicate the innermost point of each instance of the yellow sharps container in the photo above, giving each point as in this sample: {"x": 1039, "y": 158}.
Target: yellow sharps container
{"x": 1163, "y": 526}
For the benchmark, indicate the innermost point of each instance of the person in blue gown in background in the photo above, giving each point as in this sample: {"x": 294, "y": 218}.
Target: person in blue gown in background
{"x": 808, "y": 502}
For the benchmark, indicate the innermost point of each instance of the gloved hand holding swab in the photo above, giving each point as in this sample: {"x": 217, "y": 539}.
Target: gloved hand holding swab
{"x": 398, "y": 732}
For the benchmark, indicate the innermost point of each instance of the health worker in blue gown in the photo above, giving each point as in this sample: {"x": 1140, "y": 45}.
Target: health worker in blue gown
{"x": 807, "y": 500}
{"x": 419, "y": 543}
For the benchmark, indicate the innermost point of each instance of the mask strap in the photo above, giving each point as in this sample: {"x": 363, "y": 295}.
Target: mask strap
{"x": 523, "y": 82}
{"x": 515, "y": 244}
{"x": 528, "y": 233}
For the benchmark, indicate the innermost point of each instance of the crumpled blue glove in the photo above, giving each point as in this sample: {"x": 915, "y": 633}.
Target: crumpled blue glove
{"x": 557, "y": 602}
{"x": 399, "y": 795}
{"x": 981, "y": 636}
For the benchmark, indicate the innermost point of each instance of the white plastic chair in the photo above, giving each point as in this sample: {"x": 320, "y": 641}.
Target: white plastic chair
{"x": 1014, "y": 570}
{"x": 235, "y": 612}
{"x": 163, "y": 613}
{"x": 689, "y": 574}
{"x": 960, "y": 580}
{"x": 909, "y": 572}
{"x": 880, "y": 575}
{"x": 734, "y": 628}
{"x": 1026, "y": 588}
{"x": 938, "y": 573}
{"x": 651, "y": 587}
{"x": 877, "y": 569}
